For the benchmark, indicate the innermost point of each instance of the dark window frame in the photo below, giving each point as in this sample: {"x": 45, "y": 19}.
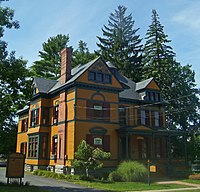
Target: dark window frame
{"x": 33, "y": 146}
{"x": 35, "y": 117}
{"x": 24, "y": 127}
{"x": 55, "y": 114}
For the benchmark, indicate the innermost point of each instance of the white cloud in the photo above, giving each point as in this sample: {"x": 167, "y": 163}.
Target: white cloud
{"x": 189, "y": 17}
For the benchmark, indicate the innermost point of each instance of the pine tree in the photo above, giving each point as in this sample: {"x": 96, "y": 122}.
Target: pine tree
{"x": 82, "y": 55}
{"x": 49, "y": 65}
{"x": 177, "y": 82}
{"x": 121, "y": 45}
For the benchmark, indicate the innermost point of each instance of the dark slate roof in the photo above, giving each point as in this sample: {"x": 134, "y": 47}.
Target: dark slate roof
{"x": 44, "y": 85}
{"x": 130, "y": 87}
{"x": 75, "y": 73}
{"x": 110, "y": 65}
{"x": 143, "y": 84}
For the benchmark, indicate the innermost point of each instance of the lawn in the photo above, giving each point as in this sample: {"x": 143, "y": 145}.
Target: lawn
{"x": 128, "y": 186}
{"x": 192, "y": 181}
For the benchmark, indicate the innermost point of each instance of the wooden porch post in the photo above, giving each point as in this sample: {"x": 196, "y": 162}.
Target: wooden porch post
{"x": 153, "y": 146}
{"x": 127, "y": 146}
{"x": 119, "y": 148}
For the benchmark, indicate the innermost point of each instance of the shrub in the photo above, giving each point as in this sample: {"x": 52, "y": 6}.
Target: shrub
{"x": 132, "y": 171}
{"x": 194, "y": 177}
{"x": 115, "y": 176}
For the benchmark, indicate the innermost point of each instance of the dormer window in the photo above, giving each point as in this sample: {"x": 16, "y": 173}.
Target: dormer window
{"x": 152, "y": 96}
{"x": 35, "y": 90}
{"x": 99, "y": 77}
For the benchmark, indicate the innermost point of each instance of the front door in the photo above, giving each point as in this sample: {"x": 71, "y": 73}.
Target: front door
{"x": 142, "y": 148}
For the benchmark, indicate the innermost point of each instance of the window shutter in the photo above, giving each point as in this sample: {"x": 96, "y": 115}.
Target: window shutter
{"x": 106, "y": 111}
{"x": 161, "y": 119}
{"x": 37, "y": 116}
{"x": 89, "y": 112}
{"x": 106, "y": 143}
{"x": 138, "y": 117}
{"x": 147, "y": 117}
{"x": 53, "y": 145}
{"x": 89, "y": 140}
{"x": 26, "y": 128}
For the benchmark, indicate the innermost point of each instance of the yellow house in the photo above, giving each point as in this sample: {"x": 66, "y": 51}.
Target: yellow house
{"x": 96, "y": 103}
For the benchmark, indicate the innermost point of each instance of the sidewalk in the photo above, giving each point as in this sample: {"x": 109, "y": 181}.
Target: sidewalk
{"x": 191, "y": 186}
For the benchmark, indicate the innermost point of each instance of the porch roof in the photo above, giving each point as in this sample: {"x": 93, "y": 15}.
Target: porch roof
{"x": 149, "y": 131}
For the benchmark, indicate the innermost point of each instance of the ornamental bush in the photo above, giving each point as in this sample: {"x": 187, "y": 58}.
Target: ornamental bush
{"x": 194, "y": 177}
{"x": 129, "y": 171}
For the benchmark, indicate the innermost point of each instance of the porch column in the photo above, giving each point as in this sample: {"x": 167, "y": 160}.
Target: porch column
{"x": 127, "y": 146}
{"x": 169, "y": 149}
{"x": 153, "y": 146}
{"x": 119, "y": 148}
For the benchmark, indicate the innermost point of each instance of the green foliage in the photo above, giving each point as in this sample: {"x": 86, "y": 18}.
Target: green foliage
{"x": 176, "y": 82}
{"x": 87, "y": 157}
{"x": 121, "y": 45}
{"x": 14, "y": 87}
{"x": 115, "y": 176}
{"x": 194, "y": 177}
{"x": 129, "y": 171}
{"x": 82, "y": 54}
{"x": 49, "y": 65}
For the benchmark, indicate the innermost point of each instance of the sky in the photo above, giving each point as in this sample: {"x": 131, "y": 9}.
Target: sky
{"x": 84, "y": 19}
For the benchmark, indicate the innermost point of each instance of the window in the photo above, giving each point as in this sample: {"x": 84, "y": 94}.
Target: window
{"x": 55, "y": 114}
{"x": 143, "y": 119}
{"x": 45, "y": 116}
{"x": 91, "y": 76}
{"x": 98, "y": 111}
{"x": 33, "y": 146}
{"x": 122, "y": 116}
{"x": 54, "y": 144}
{"x": 25, "y": 125}
{"x": 100, "y": 141}
{"x": 157, "y": 120}
{"x": 23, "y": 148}
{"x": 107, "y": 78}
{"x": 34, "y": 117}
{"x": 152, "y": 96}
{"x": 99, "y": 77}
{"x": 157, "y": 96}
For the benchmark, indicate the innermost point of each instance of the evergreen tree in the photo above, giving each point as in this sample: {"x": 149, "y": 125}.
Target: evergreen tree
{"x": 13, "y": 84}
{"x": 176, "y": 82}
{"x": 49, "y": 65}
{"x": 121, "y": 45}
{"x": 82, "y": 54}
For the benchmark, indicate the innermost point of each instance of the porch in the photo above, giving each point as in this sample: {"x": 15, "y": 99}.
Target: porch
{"x": 154, "y": 145}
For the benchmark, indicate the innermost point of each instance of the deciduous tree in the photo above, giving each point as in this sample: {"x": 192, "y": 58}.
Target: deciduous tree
{"x": 87, "y": 157}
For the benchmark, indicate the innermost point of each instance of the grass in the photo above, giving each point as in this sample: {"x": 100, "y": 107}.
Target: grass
{"x": 127, "y": 186}
{"x": 192, "y": 181}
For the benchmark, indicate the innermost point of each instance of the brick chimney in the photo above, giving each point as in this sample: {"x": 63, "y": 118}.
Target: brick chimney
{"x": 66, "y": 59}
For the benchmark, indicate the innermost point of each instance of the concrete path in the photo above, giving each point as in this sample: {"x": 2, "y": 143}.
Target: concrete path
{"x": 49, "y": 184}
{"x": 191, "y": 187}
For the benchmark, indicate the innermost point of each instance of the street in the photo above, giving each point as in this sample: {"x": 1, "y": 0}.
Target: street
{"x": 49, "y": 184}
